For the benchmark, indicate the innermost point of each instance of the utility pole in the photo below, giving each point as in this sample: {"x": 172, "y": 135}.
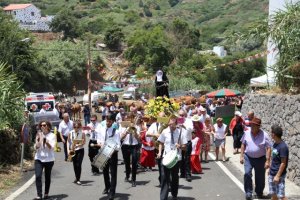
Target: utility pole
{"x": 88, "y": 74}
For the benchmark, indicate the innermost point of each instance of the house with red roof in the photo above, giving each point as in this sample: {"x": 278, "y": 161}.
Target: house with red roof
{"x": 29, "y": 17}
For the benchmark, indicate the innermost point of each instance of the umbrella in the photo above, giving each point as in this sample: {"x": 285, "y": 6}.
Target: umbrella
{"x": 110, "y": 89}
{"x": 223, "y": 93}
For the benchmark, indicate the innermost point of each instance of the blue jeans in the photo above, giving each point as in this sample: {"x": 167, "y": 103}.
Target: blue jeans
{"x": 39, "y": 166}
{"x": 87, "y": 119}
{"x": 259, "y": 167}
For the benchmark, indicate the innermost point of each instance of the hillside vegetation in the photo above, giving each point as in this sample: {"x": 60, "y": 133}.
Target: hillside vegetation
{"x": 214, "y": 18}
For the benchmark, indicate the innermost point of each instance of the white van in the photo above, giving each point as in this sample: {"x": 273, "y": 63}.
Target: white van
{"x": 35, "y": 101}
{"x": 94, "y": 98}
{"x": 130, "y": 93}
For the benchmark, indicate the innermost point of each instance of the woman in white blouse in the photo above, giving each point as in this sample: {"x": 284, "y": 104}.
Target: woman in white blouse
{"x": 44, "y": 157}
{"x": 77, "y": 134}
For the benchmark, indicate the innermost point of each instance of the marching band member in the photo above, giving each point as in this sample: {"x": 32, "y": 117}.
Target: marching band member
{"x": 112, "y": 165}
{"x": 77, "y": 133}
{"x": 185, "y": 168}
{"x": 64, "y": 128}
{"x": 130, "y": 147}
{"x": 93, "y": 147}
{"x": 44, "y": 157}
{"x": 153, "y": 132}
{"x": 171, "y": 138}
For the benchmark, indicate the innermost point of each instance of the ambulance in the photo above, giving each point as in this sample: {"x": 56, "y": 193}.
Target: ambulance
{"x": 35, "y": 101}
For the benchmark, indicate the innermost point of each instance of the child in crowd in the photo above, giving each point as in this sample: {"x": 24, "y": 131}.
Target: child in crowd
{"x": 195, "y": 155}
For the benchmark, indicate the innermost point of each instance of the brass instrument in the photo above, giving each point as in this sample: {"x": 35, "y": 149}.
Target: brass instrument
{"x": 72, "y": 151}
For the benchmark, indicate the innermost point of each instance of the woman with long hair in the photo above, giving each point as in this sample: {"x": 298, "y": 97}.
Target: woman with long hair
{"x": 44, "y": 157}
{"x": 78, "y": 149}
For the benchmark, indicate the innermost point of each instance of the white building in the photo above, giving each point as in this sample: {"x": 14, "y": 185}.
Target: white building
{"x": 29, "y": 17}
{"x": 220, "y": 51}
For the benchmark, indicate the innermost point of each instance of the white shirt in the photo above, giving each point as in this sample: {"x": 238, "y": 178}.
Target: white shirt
{"x": 55, "y": 111}
{"x": 166, "y": 138}
{"x": 94, "y": 128}
{"x": 220, "y": 132}
{"x": 65, "y": 128}
{"x": 74, "y": 136}
{"x": 119, "y": 118}
{"x": 153, "y": 129}
{"x": 42, "y": 111}
{"x": 126, "y": 140}
{"x": 44, "y": 154}
{"x": 108, "y": 133}
{"x": 189, "y": 126}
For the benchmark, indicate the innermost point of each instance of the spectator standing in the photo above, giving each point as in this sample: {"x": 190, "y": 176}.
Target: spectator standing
{"x": 64, "y": 128}
{"x": 280, "y": 156}
{"x": 255, "y": 153}
{"x": 87, "y": 114}
{"x": 249, "y": 118}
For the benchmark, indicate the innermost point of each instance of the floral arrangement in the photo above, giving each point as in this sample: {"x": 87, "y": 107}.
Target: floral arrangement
{"x": 161, "y": 104}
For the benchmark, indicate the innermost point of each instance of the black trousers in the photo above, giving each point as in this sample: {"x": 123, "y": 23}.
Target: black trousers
{"x": 169, "y": 177}
{"x": 93, "y": 151}
{"x": 112, "y": 166}
{"x": 66, "y": 147}
{"x": 39, "y": 166}
{"x": 77, "y": 162}
{"x": 159, "y": 160}
{"x": 185, "y": 168}
{"x": 130, "y": 151}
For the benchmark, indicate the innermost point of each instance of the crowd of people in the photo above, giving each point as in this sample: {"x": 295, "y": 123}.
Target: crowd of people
{"x": 148, "y": 142}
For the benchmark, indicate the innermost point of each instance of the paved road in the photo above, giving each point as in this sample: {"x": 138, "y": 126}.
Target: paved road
{"x": 214, "y": 184}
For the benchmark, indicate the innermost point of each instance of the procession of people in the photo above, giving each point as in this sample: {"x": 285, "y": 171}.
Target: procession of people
{"x": 176, "y": 141}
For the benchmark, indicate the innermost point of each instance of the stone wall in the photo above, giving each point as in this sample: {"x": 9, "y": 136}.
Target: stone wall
{"x": 285, "y": 111}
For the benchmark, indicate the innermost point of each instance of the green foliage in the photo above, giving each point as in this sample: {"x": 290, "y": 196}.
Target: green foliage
{"x": 16, "y": 51}
{"x": 113, "y": 38}
{"x": 66, "y": 22}
{"x": 62, "y": 66}
{"x": 11, "y": 99}
{"x": 96, "y": 26}
{"x": 131, "y": 17}
{"x": 149, "y": 48}
{"x": 147, "y": 11}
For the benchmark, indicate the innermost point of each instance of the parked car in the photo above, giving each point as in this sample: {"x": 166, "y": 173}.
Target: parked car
{"x": 36, "y": 118}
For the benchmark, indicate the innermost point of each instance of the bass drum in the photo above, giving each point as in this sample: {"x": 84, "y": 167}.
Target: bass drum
{"x": 170, "y": 159}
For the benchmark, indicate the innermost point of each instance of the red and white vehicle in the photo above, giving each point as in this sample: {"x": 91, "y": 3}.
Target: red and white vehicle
{"x": 35, "y": 101}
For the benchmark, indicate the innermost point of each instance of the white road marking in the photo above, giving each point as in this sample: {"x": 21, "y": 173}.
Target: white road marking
{"x": 21, "y": 189}
{"x": 228, "y": 173}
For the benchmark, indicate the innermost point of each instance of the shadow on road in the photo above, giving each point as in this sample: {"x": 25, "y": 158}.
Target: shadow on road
{"x": 58, "y": 196}
{"x": 142, "y": 182}
{"x": 86, "y": 183}
{"x": 185, "y": 187}
{"x": 186, "y": 198}
{"x": 120, "y": 196}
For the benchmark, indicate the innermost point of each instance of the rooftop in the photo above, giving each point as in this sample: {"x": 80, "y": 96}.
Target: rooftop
{"x": 16, "y": 7}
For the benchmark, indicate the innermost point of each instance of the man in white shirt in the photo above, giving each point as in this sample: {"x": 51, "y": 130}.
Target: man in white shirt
{"x": 112, "y": 164}
{"x": 64, "y": 128}
{"x": 130, "y": 147}
{"x": 171, "y": 138}
{"x": 153, "y": 131}
{"x": 185, "y": 168}
{"x": 43, "y": 109}
{"x": 93, "y": 149}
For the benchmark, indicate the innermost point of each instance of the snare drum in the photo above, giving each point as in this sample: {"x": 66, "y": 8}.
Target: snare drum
{"x": 105, "y": 153}
{"x": 170, "y": 159}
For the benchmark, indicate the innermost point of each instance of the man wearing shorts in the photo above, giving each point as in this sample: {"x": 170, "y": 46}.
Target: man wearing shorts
{"x": 280, "y": 155}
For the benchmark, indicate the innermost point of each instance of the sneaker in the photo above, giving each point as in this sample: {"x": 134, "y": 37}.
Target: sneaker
{"x": 248, "y": 197}
{"x": 133, "y": 184}
{"x": 105, "y": 191}
{"x": 126, "y": 179}
{"x": 78, "y": 183}
{"x": 188, "y": 178}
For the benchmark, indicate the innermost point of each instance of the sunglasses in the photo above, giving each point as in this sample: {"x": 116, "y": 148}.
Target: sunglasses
{"x": 43, "y": 125}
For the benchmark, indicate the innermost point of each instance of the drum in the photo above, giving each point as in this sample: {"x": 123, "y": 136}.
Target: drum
{"x": 170, "y": 159}
{"x": 105, "y": 153}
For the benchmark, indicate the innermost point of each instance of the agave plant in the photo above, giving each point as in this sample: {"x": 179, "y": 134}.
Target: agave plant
{"x": 11, "y": 99}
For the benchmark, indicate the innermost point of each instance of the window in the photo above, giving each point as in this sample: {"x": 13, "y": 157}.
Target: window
{"x": 32, "y": 13}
